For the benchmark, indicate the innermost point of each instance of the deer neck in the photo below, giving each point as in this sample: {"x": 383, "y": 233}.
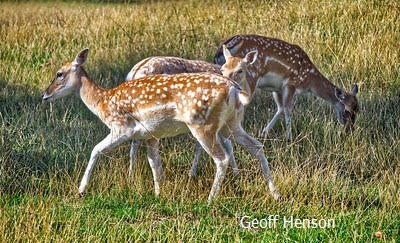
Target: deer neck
{"x": 251, "y": 81}
{"x": 323, "y": 88}
{"x": 90, "y": 93}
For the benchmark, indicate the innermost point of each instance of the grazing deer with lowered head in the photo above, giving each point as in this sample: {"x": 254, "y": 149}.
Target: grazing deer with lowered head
{"x": 175, "y": 65}
{"x": 207, "y": 105}
{"x": 285, "y": 70}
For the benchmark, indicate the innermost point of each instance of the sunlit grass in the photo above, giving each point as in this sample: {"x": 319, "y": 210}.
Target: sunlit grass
{"x": 44, "y": 148}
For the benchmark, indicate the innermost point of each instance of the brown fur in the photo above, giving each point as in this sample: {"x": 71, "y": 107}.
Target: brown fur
{"x": 288, "y": 61}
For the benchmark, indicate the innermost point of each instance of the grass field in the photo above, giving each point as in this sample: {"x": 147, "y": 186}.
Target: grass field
{"x": 321, "y": 174}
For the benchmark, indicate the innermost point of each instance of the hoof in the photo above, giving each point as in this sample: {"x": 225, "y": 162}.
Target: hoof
{"x": 276, "y": 195}
{"x": 162, "y": 178}
{"x": 236, "y": 172}
{"x": 82, "y": 191}
{"x": 192, "y": 174}
{"x": 264, "y": 133}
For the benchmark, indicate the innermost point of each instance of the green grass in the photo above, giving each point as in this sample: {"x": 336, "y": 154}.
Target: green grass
{"x": 44, "y": 147}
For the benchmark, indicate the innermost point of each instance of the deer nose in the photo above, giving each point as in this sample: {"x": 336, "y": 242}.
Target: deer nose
{"x": 45, "y": 96}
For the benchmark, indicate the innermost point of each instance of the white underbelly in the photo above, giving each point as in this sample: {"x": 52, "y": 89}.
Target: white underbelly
{"x": 155, "y": 128}
{"x": 271, "y": 82}
{"x": 158, "y": 121}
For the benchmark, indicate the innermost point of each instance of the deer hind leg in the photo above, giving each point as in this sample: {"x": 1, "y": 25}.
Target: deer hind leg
{"x": 211, "y": 143}
{"x": 288, "y": 94}
{"x": 134, "y": 147}
{"x": 256, "y": 149}
{"x": 197, "y": 154}
{"x": 278, "y": 100}
{"x": 107, "y": 143}
{"x": 155, "y": 163}
{"x": 227, "y": 145}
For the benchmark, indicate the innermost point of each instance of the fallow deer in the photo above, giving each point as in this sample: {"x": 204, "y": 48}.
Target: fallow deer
{"x": 285, "y": 70}
{"x": 207, "y": 105}
{"x": 169, "y": 65}
{"x": 175, "y": 65}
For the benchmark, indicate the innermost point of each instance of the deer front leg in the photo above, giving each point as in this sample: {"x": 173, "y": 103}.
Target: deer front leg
{"x": 212, "y": 145}
{"x": 155, "y": 163}
{"x": 227, "y": 145}
{"x": 288, "y": 94}
{"x": 197, "y": 154}
{"x": 106, "y": 144}
{"x": 256, "y": 149}
{"x": 278, "y": 101}
{"x": 134, "y": 147}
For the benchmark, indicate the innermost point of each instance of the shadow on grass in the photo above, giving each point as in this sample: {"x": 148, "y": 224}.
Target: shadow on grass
{"x": 18, "y": 159}
{"x": 37, "y": 137}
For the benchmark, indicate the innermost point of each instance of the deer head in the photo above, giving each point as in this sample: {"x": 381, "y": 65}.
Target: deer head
{"x": 67, "y": 79}
{"x": 236, "y": 68}
{"x": 347, "y": 107}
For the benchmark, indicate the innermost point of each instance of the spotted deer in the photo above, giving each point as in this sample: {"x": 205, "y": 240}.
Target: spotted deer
{"x": 285, "y": 70}
{"x": 207, "y": 105}
{"x": 175, "y": 65}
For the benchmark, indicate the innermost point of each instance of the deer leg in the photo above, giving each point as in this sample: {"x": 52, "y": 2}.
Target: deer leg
{"x": 212, "y": 145}
{"x": 256, "y": 149}
{"x": 155, "y": 163}
{"x": 228, "y": 146}
{"x": 288, "y": 94}
{"x": 134, "y": 147}
{"x": 106, "y": 144}
{"x": 278, "y": 101}
{"x": 197, "y": 153}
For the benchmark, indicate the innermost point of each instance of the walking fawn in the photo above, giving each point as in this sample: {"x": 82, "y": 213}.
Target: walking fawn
{"x": 285, "y": 70}
{"x": 208, "y": 105}
{"x": 175, "y": 65}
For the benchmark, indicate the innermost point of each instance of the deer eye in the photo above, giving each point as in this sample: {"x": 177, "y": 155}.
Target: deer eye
{"x": 59, "y": 75}
{"x": 346, "y": 114}
{"x": 239, "y": 71}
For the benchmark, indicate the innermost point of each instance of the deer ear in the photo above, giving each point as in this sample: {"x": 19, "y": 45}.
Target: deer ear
{"x": 354, "y": 90}
{"x": 80, "y": 59}
{"x": 251, "y": 57}
{"x": 339, "y": 94}
{"x": 226, "y": 52}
